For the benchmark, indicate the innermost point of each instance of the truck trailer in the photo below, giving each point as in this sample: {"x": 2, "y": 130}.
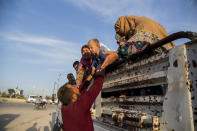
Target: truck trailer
{"x": 153, "y": 93}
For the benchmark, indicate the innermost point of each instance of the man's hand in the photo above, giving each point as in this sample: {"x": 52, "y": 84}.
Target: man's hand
{"x": 100, "y": 73}
{"x": 89, "y": 77}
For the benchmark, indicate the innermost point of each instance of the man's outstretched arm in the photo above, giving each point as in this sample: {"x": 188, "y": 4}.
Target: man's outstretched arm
{"x": 85, "y": 84}
{"x": 94, "y": 91}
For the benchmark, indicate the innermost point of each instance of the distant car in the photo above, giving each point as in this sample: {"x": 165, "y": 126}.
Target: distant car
{"x": 56, "y": 101}
{"x": 49, "y": 101}
{"x": 31, "y": 99}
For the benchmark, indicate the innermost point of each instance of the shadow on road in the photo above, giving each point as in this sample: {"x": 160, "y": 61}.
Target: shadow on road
{"x": 52, "y": 122}
{"x": 35, "y": 128}
{"x": 6, "y": 119}
{"x": 53, "y": 117}
{"x": 46, "y": 128}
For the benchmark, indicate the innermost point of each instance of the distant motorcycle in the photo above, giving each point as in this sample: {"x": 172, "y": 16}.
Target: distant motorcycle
{"x": 40, "y": 105}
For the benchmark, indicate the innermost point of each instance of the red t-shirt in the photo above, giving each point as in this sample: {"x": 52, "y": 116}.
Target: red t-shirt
{"x": 76, "y": 116}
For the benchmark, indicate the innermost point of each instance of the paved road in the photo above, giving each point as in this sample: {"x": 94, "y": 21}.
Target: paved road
{"x": 22, "y": 117}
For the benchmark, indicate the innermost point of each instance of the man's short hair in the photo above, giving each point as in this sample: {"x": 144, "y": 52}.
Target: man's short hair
{"x": 96, "y": 41}
{"x": 84, "y": 46}
{"x": 70, "y": 75}
{"x": 64, "y": 94}
{"x": 75, "y": 63}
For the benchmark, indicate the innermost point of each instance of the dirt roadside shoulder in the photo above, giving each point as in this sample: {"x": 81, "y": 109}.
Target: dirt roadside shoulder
{"x": 2, "y": 99}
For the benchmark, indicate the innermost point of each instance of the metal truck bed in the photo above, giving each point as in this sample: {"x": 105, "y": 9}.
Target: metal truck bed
{"x": 156, "y": 93}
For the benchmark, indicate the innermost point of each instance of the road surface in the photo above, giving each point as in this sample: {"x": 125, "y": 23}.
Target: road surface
{"x": 22, "y": 117}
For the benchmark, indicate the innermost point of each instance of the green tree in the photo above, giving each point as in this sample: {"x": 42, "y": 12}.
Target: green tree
{"x": 20, "y": 96}
{"x": 5, "y": 95}
{"x": 11, "y": 91}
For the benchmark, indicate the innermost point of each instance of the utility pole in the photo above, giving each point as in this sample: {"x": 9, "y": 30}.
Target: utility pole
{"x": 58, "y": 83}
{"x": 53, "y": 95}
{"x": 54, "y": 87}
{"x": 58, "y": 80}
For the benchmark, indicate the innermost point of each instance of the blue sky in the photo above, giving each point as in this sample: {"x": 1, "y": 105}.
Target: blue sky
{"x": 40, "y": 39}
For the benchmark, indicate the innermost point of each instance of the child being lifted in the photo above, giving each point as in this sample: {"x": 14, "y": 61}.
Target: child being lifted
{"x": 98, "y": 57}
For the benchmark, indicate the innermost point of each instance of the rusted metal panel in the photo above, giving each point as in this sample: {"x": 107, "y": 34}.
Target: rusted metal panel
{"x": 192, "y": 66}
{"x": 129, "y": 119}
{"x": 133, "y": 67}
{"x": 134, "y": 78}
{"x": 137, "y": 84}
{"x": 154, "y": 110}
{"x": 177, "y": 105}
{"x": 138, "y": 99}
{"x": 150, "y": 72}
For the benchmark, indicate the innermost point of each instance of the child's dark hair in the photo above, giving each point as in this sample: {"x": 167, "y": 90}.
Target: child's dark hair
{"x": 64, "y": 94}
{"x": 84, "y": 46}
{"x": 75, "y": 63}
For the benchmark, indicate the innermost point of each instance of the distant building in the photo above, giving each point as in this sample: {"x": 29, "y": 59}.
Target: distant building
{"x": 17, "y": 91}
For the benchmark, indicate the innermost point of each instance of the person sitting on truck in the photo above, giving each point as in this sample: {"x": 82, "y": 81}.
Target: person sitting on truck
{"x": 134, "y": 34}
{"x": 84, "y": 65}
{"x": 76, "y": 103}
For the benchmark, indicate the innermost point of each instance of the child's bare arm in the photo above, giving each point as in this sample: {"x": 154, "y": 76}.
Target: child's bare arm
{"x": 111, "y": 57}
{"x": 108, "y": 52}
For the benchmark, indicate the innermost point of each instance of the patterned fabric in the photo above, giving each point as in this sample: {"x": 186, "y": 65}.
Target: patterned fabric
{"x": 137, "y": 47}
{"x": 83, "y": 70}
{"x": 137, "y": 43}
{"x": 81, "y": 76}
{"x": 123, "y": 51}
{"x": 132, "y": 25}
{"x": 144, "y": 36}
{"x": 140, "y": 41}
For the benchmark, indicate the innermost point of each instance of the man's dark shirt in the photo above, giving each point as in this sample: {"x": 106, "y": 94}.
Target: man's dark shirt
{"x": 76, "y": 116}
